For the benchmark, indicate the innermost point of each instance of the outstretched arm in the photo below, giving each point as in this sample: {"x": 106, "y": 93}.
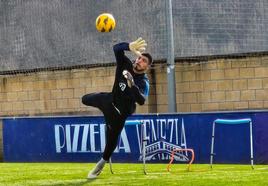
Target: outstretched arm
{"x": 136, "y": 47}
{"x": 119, "y": 52}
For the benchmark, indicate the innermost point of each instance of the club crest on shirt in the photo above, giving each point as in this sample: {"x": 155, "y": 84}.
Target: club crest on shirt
{"x": 122, "y": 86}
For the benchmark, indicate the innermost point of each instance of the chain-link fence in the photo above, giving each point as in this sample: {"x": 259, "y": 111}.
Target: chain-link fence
{"x": 215, "y": 27}
{"x": 61, "y": 33}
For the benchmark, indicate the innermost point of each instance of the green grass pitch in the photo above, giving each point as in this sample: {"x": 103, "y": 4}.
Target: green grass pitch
{"x": 131, "y": 174}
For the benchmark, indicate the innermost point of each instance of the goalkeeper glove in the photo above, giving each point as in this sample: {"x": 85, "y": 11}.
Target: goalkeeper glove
{"x": 138, "y": 46}
{"x": 129, "y": 78}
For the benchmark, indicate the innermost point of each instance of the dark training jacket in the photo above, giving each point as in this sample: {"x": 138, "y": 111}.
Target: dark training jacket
{"x": 125, "y": 98}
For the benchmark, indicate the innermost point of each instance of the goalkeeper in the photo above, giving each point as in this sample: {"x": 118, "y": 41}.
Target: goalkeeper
{"x": 131, "y": 86}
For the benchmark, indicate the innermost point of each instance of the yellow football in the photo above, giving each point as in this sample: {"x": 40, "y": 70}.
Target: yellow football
{"x": 105, "y": 22}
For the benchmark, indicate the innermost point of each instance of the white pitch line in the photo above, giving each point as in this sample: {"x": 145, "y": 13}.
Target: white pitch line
{"x": 158, "y": 173}
{"x": 262, "y": 168}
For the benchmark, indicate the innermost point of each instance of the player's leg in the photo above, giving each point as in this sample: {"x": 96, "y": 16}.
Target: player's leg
{"x": 101, "y": 101}
{"x": 112, "y": 134}
{"x": 114, "y": 127}
{"x": 97, "y": 100}
{"x": 97, "y": 169}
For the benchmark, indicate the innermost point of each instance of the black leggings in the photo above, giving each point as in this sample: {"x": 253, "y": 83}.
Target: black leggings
{"x": 114, "y": 121}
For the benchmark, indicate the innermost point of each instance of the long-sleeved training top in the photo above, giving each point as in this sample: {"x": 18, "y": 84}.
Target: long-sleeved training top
{"x": 125, "y": 98}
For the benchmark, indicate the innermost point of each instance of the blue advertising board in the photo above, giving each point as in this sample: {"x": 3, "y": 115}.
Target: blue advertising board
{"x": 82, "y": 139}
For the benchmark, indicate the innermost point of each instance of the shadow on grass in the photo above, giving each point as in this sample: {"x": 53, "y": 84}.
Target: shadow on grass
{"x": 76, "y": 183}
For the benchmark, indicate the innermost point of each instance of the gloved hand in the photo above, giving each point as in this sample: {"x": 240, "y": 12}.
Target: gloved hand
{"x": 129, "y": 78}
{"x": 138, "y": 46}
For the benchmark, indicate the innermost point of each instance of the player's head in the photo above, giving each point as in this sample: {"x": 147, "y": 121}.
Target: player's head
{"x": 142, "y": 63}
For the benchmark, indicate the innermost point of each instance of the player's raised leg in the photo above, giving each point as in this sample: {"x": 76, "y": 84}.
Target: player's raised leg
{"x": 95, "y": 99}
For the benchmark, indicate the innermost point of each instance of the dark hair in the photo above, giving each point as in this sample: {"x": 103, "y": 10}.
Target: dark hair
{"x": 148, "y": 56}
